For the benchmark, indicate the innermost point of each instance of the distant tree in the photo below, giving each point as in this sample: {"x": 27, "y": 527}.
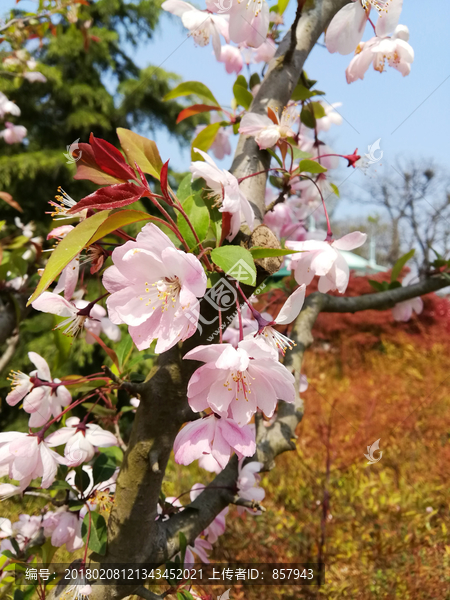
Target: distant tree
{"x": 416, "y": 200}
{"x": 92, "y": 84}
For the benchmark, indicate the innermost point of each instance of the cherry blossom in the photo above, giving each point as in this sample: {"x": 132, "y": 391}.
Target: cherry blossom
{"x": 247, "y": 482}
{"x": 64, "y": 527}
{"x": 267, "y": 132}
{"x": 61, "y": 206}
{"x": 403, "y": 310}
{"x": 202, "y": 25}
{"x": 80, "y": 314}
{"x": 199, "y": 548}
{"x": 81, "y": 440}
{"x": 249, "y": 22}
{"x": 98, "y": 323}
{"x": 213, "y": 435}
{"x": 347, "y": 27}
{"x": 289, "y": 311}
{"x": 225, "y": 190}
{"x": 232, "y": 58}
{"x": 394, "y": 50}
{"x": 324, "y": 260}
{"x": 13, "y": 134}
{"x": 40, "y": 400}
{"x": 234, "y": 383}
{"x": 153, "y": 286}
{"x": 265, "y": 52}
{"x": 7, "y": 106}
{"x": 35, "y": 76}
{"x": 25, "y": 457}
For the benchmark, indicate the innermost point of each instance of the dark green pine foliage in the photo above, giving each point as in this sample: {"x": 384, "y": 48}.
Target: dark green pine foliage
{"x": 93, "y": 85}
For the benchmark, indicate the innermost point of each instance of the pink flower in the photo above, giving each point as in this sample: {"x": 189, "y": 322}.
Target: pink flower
{"x": 13, "y": 134}
{"x": 347, "y": 27}
{"x": 232, "y": 57}
{"x": 217, "y": 527}
{"x": 98, "y": 323}
{"x": 199, "y": 548}
{"x": 81, "y": 440}
{"x": 265, "y": 131}
{"x": 234, "y": 383}
{"x": 265, "y": 52}
{"x": 7, "y": 106}
{"x": 249, "y": 22}
{"x": 41, "y": 400}
{"x": 403, "y": 310}
{"x": 213, "y": 435}
{"x": 289, "y": 311}
{"x": 78, "y": 315}
{"x": 248, "y": 484}
{"x": 152, "y": 286}
{"x": 225, "y": 190}
{"x": 26, "y": 458}
{"x": 64, "y": 527}
{"x": 61, "y": 206}
{"x": 395, "y": 50}
{"x": 325, "y": 260}
{"x": 202, "y": 25}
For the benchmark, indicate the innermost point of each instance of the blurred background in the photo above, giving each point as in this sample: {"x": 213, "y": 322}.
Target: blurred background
{"x": 381, "y": 529}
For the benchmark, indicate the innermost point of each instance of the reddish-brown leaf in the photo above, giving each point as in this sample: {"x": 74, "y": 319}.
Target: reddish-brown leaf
{"x": 109, "y": 159}
{"x": 163, "y": 181}
{"x": 10, "y": 200}
{"x": 272, "y": 115}
{"x": 195, "y": 109}
{"x": 113, "y": 196}
{"x": 87, "y": 168}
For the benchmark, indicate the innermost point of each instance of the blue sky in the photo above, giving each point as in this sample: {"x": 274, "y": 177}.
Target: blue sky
{"x": 409, "y": 114}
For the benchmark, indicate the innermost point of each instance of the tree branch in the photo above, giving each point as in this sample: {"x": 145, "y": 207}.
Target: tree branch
{"x": 381, "y": 300}
{"x": 276, "y": 90}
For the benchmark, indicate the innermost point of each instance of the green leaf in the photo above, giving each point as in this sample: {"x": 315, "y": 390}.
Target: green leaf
{"x": 103, "y": 467}
{"x": 204, "y": 140}
{"x": 183, "y": 546}
{"x": 124, "y": 350}
{"x": 237, "y": 262}
{"x": 97, "y": 409}
{"x": 301, "y": 93}
{"x": 191, "y": 87}
{"x": 335, "y": 189}
{"x": 254, "y": 80}
{"x": 311, "y": 112}
{"x": 275, "y": 156}
{"x": 282, "y": 5}
{"x": 379, "y": 286}
{"x": 98, "y": 534}
{"x": 82, "y": 480}
{"x": 397, "y": 268}
{"x": 118, "y": 219}
{"x": 311, "y": 166}
{"x": 140, "y": 150}
{"x": 240, "y": 80}
{"x": 299, "y": 154}
{"x": 243, "y": 96}
{"x": 67, "y": 249}
{"x": 188, "y": 188}
{"x": 260, "y": 252}
{"x": 114, "y": 451}
{"x": 198, "y": 215}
